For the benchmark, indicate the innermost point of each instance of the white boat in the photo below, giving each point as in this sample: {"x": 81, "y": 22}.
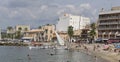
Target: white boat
{"x": 60, "y": 42}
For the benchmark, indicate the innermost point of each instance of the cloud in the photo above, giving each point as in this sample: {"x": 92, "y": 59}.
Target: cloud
{"x": 37, "y": 12}
{"x": 85, "y": 6}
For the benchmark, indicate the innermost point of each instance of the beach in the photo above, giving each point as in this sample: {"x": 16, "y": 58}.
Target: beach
{"x": 98, "y": 50}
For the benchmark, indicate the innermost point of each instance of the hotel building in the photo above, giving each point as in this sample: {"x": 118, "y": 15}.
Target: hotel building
{"x": 109, "y": 23}
{"x": 77, "y": 22}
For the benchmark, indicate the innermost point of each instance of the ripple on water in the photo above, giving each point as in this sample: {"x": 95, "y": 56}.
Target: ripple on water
{"x": 19, "y": 54}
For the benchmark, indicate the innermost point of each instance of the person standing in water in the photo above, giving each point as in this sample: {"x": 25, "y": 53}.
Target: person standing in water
{"x": 29, "y": 58}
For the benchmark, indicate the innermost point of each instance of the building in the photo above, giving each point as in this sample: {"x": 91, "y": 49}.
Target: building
{"x": 63, "y": 35}
{"x": 109, "y": 23}
{"x": 77, "y": 22}
{"x": 33, "y": 35}
{"x": 22, "y": 28}
{"x": 48, "y": 32}
{"x": 45, "y": 33}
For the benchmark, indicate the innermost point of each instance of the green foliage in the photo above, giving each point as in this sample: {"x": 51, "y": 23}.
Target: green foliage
{"x": 18, "y": 35}
{"x": 70, "y": 31}
{"x": 92, "y": 32}
{"x": 39, "y": 27}
{"x": 93, "y": 26}
{"x": 9, "y": 28}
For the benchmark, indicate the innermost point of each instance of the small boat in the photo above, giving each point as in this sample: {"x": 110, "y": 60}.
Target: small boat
{"x": 60, "y": 43}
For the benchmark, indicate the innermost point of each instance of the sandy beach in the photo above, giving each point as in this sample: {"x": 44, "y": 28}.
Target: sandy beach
{"x": 98, "y": 50}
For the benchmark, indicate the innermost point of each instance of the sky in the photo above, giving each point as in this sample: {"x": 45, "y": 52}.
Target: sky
{"x": 39, "y": 12}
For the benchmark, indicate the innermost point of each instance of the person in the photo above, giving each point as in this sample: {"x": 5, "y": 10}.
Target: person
{"x": 29, "y": 58}
{"x": 95, "y": 58}
{"x": 106, "y": 47}
{"x": 94, "y": 48}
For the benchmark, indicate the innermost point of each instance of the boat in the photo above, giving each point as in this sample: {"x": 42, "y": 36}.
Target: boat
{"x": 60, "y": 42}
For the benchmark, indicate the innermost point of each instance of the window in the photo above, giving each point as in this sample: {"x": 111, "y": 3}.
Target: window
{"x": 19, "y": 28}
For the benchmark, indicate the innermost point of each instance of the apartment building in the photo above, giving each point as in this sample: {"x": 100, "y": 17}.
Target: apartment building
{"x": 109, "y": 23}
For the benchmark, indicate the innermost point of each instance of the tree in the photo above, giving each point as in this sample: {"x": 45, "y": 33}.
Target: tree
{"x": 9, "y": 34}
{"x": 9, "y": 28}
{"x": 70, "y": 32}
{"x": 92, "y": 32}
{"x": 18, "y": 35}
{"x": 39, "y": 27}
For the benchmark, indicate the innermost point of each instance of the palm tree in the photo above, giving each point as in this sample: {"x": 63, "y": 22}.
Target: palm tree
{"x": 18, "y": 35}
{"x": 9, "y": 28}
{"x": 92, "y": 32}
{"x": 70, "y": 32}
{"x": 9, "y": 34}
{"x": 39, "y": 27}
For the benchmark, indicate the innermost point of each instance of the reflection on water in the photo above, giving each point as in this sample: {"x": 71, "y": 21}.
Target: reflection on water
{"x": 23, "y": 54}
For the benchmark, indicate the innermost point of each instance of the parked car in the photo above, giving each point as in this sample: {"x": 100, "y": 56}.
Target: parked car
{"x": 98, "y": 41}
{"x": 101, "y": 40}
{"x": 113, "y": 41}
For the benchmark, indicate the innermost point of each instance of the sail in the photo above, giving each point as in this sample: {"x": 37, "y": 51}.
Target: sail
{"x": 59, "y": 39}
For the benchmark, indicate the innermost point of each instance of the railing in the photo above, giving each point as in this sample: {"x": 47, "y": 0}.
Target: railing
{"x": 108, "y": 28}
{"x": 106, "y": 18}
{"x": 108, "y": 23}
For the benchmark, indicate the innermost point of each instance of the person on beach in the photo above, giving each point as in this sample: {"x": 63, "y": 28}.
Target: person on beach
{"x": 94, "y": 47}
{"x": 106, "y": 47}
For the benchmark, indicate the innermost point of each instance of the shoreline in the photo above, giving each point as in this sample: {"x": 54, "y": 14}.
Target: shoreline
{"x": 13, "y": 44}
{"x": 111, "y": 57}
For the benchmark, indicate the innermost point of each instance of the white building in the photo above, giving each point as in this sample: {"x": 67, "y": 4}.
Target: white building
{"x": 78, "y": 22}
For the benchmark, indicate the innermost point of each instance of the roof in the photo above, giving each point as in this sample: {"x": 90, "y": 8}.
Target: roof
{"x": 35, "y": 30}
{"x": 109, "y": 12}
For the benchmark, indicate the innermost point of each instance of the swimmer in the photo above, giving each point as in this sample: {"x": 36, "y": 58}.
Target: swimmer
{"x": 29, "y": 57}
{"x": 95, "y": 58}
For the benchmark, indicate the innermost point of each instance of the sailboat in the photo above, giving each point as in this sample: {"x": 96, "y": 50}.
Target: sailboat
{"x": 60, "y": 42}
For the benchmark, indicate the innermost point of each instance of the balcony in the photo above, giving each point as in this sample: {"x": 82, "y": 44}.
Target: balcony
{"x": 108, "y": 23}
{"x": 111, "y": 28}
{"x": 109, "y": 18}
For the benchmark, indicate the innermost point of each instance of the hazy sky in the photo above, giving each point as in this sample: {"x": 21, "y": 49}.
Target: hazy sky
{"x": 40, "y": 12}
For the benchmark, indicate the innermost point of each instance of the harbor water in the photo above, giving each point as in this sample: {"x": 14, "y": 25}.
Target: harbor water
{"x": 24, "y": 54}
